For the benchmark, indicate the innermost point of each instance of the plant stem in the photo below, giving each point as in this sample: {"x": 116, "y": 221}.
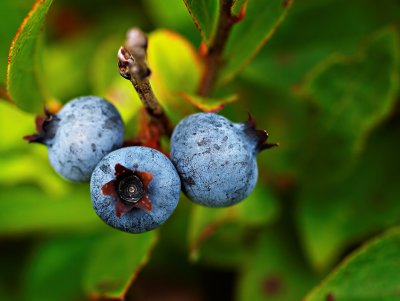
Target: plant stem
{"x": 213, "y": 59}
{"x": 133, "y": 66}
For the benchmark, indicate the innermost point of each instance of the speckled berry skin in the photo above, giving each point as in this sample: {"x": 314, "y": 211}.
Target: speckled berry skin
{"x": 215, "y": 158}
{"x": 85, "y": 130}
{"x": 163, "y": 190}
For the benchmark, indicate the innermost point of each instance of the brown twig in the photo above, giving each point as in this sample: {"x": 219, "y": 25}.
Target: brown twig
{"x": 133, "y": 66}
{"x": 213, "y": 59}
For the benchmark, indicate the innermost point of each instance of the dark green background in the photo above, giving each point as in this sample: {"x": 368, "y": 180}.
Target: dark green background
{"x": 325, "y": 86}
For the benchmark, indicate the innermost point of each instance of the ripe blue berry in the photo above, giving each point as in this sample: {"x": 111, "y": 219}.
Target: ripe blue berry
{"x": 135, "y": 189}
{"x": 80, "y": 135}
{"x": 216, "y": 159}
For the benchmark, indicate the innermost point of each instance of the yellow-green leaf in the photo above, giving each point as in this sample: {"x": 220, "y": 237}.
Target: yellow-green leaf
{"x": 175, "y": 69}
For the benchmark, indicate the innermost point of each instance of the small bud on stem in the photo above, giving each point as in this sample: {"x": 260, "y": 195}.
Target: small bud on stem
{"x": 133, "y": 66}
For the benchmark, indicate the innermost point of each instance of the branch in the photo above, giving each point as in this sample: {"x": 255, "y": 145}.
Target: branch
{"x": 133, "y": 66}
{"x": 214, "y": 57}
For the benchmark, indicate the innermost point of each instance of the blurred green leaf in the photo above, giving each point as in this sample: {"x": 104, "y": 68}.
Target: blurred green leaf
{"x": 301, "y": 42}
{"x": 3, "y": 93}
{"x": 205, "y": 16}
{"x": 14, "y": 124}
{"x": 227, "y": 247}
{"x": 4, "y": 295}
{"x": 16, "y": 154}
{"x": 12, "y": 13}
{"x": 207, "y": 104}
{"x": 14, "y": 170}
{"x": 259, "y": 24}
{"x": 56, "y": 269}
{"x": 370, "y": 273}
{"x": 274, "y": 270}
{"x": 177, "y": 19}
{"x": 69, "y": 57}
{"x": 115, "y": 262}
{"x": 333, "y": 218}
{"x": 26, "y": 209}
{"x": 23, "y": 74}
{"x": 351, "y": 95}
{"x": 175, "y": 69}
{"x": 284, "y": 117}
{"x": 256, "y": 210}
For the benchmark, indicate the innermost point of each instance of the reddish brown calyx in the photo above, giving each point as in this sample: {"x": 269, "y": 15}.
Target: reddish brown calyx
{"x": 261, "y": 136}
{"x": 130, "y": 190}
{"x": 45, "y": 127}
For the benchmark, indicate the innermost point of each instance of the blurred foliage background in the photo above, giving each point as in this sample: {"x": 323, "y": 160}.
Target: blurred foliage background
{"x": 325, "y": 85}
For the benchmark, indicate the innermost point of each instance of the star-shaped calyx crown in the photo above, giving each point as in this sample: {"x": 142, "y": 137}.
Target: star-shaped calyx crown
{"x": 46, "y": 127}
{"x": 260, "y": 136}
{"x": 129, "y": 189}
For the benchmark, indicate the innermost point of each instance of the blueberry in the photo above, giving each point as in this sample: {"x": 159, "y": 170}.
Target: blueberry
{"x": 216, "y": 159}
{"x": 135, "y": 189}
{"x": 80, "y": 135}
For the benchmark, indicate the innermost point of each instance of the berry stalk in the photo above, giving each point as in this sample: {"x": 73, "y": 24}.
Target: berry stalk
{"x": 133, "y": 66}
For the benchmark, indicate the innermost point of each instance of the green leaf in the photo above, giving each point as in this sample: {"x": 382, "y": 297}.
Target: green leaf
{"x": 34, "y": 198}
{"x": 370, "y": 273}
{"x": 177, "y": 19}
{"x": 27, "y": 209}
{"x": 23, "y": 75}
{"x": 13, "y": 170}
{"x": 207, "y": 104}
{"x": 293, "y": 52}
{"x": 205, "y": 16}
{"x": 259, "y": 24}
{"x": 333, "y": 218}
{"x": 12, "y": 14}
{"x": 274, "y": 270}
{"x": 175, "y": 69}
{"x": 226, "y": 248}
{"x": 14, "y": 124}
{"x": 56, "y": 268}
{"x": 349, "y": 100}
{"x": 258, "y": 209}
{"x": 115, "y": 262}
{"x": 70, "y": 57}
{"x": 339, "y": 85}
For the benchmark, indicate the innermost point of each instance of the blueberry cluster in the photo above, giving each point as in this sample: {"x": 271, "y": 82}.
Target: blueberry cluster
{"x": 135, "y": 189}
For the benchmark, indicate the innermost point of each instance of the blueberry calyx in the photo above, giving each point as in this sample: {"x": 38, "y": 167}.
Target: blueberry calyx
{"x": 129, "y": 189}
{"x": 260, "y": 136}
{"x": 46, "y": 127}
